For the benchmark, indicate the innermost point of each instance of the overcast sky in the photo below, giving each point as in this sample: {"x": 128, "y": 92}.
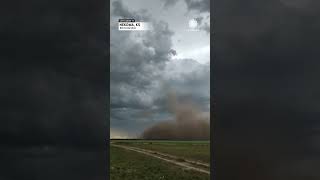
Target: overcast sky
{"x": 147, "y": 65}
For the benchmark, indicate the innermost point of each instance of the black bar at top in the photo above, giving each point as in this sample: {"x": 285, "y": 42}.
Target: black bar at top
{"x": 127, "y": 20}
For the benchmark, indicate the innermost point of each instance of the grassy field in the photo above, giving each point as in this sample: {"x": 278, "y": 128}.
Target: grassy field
{"x": 130, "y": 165}
{"x": 193, "y": 150}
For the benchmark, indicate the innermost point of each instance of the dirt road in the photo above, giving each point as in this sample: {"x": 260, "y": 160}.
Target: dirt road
{"x": 187, "y": 164}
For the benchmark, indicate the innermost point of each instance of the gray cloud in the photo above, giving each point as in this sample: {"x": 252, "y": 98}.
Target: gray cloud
{"x": 198, "y": 5}
{"x": 168, "y": 3}
{"x": 204, "y": 23}
{"x": 142, "y": 67}
{"x": 190, "y": 79}
{"x": 136, "y": 66}
{"x": 118, "y": 9}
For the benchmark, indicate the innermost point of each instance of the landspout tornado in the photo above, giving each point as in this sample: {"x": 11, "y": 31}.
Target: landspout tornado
{"x": 188, "y": 123}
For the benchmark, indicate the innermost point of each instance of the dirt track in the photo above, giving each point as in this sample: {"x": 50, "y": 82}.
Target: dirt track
{"x": 187, "y": 164}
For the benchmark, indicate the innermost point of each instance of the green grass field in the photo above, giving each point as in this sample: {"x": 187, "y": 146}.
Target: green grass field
{"x": 193, "y": 150}
{"x": 130, "y": 165}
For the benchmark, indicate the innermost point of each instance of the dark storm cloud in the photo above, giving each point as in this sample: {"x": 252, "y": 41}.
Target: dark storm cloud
{"x": 136, "y": 66}
{"x": 192, "y": 86}
{"x": 266, "y": 69}
{"x": 141, "y": 67}
{"x": 119, "y": 9}
{"x": 137, "y": 60}
{"x": 53, "y": 91}
{"x": 198, "y": 5}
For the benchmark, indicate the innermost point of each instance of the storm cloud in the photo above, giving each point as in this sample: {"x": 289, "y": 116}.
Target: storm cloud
{"x": 198, "y": 5}
{"x": 143, "y": 66}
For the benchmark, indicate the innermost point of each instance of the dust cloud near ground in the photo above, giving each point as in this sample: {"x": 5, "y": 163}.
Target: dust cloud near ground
{"x": 188, "y": 123}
